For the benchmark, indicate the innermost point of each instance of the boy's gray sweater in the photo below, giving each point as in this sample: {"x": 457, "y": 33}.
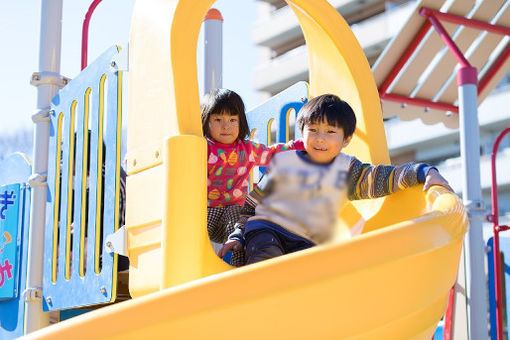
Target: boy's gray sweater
{"x": 304, "y": 197}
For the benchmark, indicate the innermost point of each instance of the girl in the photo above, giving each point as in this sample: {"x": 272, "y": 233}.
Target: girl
{"x": 230, "y": 158}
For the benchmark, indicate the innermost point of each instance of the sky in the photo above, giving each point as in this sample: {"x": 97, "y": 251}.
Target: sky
{"x": 110, "y": 25}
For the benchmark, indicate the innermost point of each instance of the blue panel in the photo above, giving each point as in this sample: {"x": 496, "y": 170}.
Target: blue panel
{"x": 439, "y": 333}
{"x": 89, "y": 140}
{"x": 9, "y": 245}
{"x": 504, "y": 247}
{"x": 12, "y": 311}
{"x": 278, "y": 108}
{"x": 15, "y": 169}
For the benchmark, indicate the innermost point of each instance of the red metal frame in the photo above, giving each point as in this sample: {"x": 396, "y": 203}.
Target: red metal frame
{"x": 494, "y": 218}
{"x": 445, "y": 36}
{"x": 85, "y": 33}
{"x": 502, "y": 58}
{"x": 448, "y": 317}
{"x": 434, "y": 19}
{"x": 456, "y": 19}
{"x": 420, "y": 102}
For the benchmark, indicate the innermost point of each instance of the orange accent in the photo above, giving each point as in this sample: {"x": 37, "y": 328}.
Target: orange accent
{"x": 213, "y": 14}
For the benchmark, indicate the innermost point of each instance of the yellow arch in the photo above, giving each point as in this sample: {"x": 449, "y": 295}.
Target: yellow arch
{"x": 164, "y": 112}
{"x": 169, "y": 81}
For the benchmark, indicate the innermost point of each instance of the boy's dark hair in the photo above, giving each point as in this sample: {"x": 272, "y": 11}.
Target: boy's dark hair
{"x": 223, "y": 101}
{"x": 328, "y": 108}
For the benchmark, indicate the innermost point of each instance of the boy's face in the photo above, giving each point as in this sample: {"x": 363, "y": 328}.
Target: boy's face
{"x": 323, "y": 142}
{"x": 224, "y": 128}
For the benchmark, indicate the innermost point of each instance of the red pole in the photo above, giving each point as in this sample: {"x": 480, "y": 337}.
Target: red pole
{"x": 85, "y": 33}
{"x": 497, "y": 229}
{"x": 445, "y": 37}
{"x": 419, "y": 102}
{"x": 455, "y": 19}
{"x": 502, "y": 58}
{"x": 448, "y": 317}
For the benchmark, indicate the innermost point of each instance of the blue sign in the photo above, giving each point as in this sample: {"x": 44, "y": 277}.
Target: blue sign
{"x": 9, "y": 251}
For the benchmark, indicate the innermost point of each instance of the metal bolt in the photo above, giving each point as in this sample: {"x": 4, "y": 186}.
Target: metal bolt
{"x": 404, "y": 105}
{"x": 48, "y": 300}
{"x": 36, "y": 77}
{"x": 427, "y": 109}
{"x": 103, "y": 290}
{"x": 113, "y": 64}
{"x": 52, "y": 112}
{"x": 303, "y": 99}
{"x": 109, "y": 244}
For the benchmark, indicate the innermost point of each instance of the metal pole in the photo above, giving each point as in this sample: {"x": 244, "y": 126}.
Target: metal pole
{"x": 213, "y": 40}
{"x": 472, "y": 196}
{"x": 47, "y": 81}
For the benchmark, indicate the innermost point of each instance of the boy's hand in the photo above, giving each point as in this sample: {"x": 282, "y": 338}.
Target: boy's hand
{"x": 435, "y": 178}
{"x": 229, "y": 245}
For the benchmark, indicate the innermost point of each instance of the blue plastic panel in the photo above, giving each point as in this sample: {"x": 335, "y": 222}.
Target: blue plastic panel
{"x": 9, "y": 241}
{"x": 504, "y": 247}
{"x": 82, "y": 206}
{"x": 279, "y": 107}
{"x": 279, "y": 111}
{"x": 12, "y": 311}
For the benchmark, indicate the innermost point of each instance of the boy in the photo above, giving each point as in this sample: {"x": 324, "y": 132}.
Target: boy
{"x": 296, "y": 203}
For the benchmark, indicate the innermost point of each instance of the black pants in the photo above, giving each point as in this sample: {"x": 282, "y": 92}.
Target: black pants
{"x": 266, "y": 243}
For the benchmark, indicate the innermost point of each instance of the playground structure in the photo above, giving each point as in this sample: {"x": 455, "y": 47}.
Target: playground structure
{"x": 410, "y": 245}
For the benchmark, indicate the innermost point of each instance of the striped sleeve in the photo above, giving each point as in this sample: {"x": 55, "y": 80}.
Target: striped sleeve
{"x": 370, "y": 181}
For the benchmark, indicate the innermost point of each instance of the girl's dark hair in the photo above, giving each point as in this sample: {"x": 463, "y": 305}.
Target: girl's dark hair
{"x": 328, "y": 108}
{"x": 223, "y": 101}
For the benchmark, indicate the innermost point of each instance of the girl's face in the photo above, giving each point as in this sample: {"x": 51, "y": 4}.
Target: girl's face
{"x": 224, "y": 128}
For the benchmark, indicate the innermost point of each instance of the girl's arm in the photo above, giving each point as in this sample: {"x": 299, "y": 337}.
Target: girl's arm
{"x": 263, "y": 188}
{"x": 370, "y": 181}
{"x": 263, "y": 154}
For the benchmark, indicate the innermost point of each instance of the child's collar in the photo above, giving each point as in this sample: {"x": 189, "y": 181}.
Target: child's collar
{"x": 221, "y": 145}
{"x": 302, "y": 154}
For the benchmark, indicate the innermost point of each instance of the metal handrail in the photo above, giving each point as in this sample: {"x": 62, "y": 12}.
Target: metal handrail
{"x": 85, "y": 33}
{"x": 494, "y": 218}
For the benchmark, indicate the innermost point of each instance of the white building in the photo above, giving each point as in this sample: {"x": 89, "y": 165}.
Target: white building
{"x": 283, "y": 61}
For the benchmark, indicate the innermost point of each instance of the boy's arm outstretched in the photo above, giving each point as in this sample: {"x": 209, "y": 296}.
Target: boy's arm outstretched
{"x": 370, "y": 181}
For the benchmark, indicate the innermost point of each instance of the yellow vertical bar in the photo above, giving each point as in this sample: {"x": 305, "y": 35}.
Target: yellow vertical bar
{"x": 269, "y": 124}
{"x": 84, "y": 174}
{"x": 70, "y": 190}
{"x": 57, "y": 198}
{"x": 99, "y": 172}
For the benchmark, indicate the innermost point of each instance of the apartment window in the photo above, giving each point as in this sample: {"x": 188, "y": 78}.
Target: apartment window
{"x": 288, "y": 46}
{"x": 279, "y": 4}
{"x": 364, "y": 12}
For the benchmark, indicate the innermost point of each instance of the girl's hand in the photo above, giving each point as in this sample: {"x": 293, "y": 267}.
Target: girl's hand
{"x": 229, "y": 245}
{"x": 435, "y": 178}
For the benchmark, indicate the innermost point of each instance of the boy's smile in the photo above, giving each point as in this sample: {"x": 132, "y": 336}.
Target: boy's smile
{"x": 323, "y": 142}
{"x": 224, "y": 128}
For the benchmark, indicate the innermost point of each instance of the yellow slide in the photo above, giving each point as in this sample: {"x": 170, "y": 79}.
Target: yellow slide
{"x": 390, "y": 282}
